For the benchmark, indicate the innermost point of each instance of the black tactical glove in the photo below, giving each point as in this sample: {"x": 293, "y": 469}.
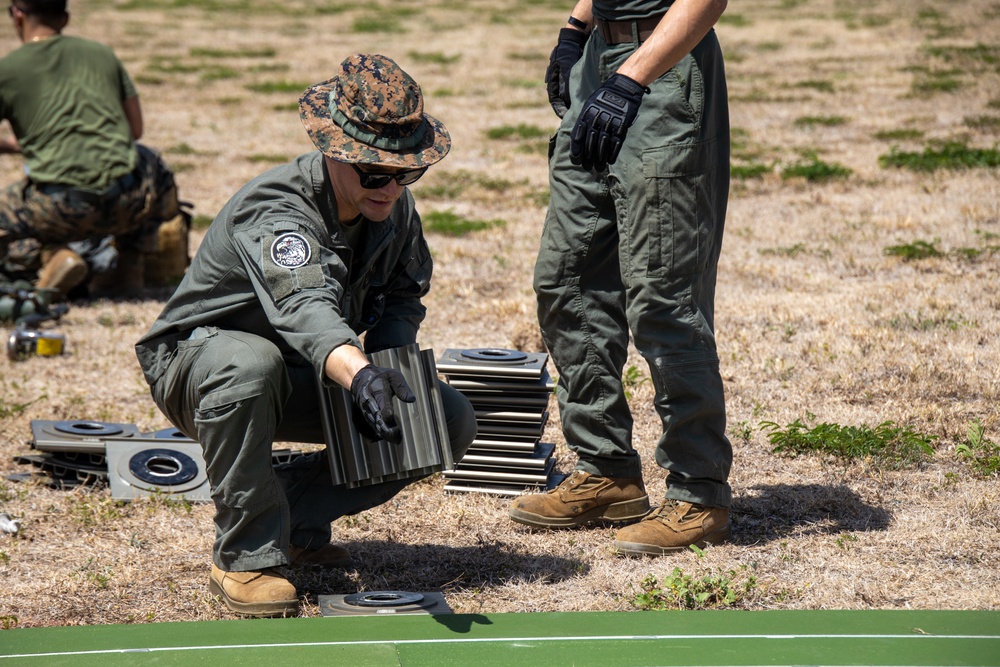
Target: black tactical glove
{"x": 567, "y": 51}
{"x": 608, "y": 113}
{"x": 372, "y": 390}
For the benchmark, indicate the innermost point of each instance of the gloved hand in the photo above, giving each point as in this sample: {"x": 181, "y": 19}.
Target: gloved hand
{"x": 606, "y": 116}
{"x": 567, "y": 51}
{"x": 372, "y": 389}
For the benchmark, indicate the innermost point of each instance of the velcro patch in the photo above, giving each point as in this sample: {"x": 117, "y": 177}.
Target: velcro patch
{"x": 290, "y": 251}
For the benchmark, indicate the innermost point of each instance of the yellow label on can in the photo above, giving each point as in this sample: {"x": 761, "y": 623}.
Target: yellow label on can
{"x": 49, "y": 347}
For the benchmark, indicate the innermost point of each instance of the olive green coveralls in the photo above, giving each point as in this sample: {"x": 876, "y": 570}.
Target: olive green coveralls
{"x": 234, "y": 357}
{"x": 635, "y": 248}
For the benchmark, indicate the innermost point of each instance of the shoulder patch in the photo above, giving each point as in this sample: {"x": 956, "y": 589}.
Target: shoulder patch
{"x": 290, "y": 251}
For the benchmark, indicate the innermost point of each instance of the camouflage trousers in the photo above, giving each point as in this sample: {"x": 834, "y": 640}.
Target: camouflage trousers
{"x": 35, "y": 216}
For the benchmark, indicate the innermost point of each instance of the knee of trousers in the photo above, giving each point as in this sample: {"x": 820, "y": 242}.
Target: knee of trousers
{"x": 461, "y": 420}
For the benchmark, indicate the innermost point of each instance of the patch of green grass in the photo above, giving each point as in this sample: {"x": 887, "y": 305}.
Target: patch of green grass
{"x": 335, "y": 8}
{"x": 8, "y": 621}
{"x": 449, "y": 223}
{"x": 982, "y": 122}
{"x": 14, "y": 409}
{"x": 522, "y": 83}
{"x": 825, "y": 121}
{"x": 201, "y": 221}
{"x": 285, "y": 106}
{"x": 915, "y": 250}
{"x": 377, "y": 23}
{"x": 278, "y": 86}
{"x": 929, "y": 82}
{"x": 268, "y": 157}
{"x": 820, "y": 85}
{"x": 815, "y": 170}
{"x": 749, "y": 170}
{"x": 920, "y": 322}
{"x": 769, "y": 47}
{"x": 202, "y": 52}
{"x": 173, "y": 66}
{"x": 888, "y": 444}
{"x": 520, "y": 131}
{"x": 433, "y": 58}
{"x": 714, "y": 590}
{"x": 985, "y": 54}
{"x": 530, "y": 57}
{"x": 219, "y": 74}
{"x": 904, "y": 134}
{"x": 949, "y": 155}
{"x": 735, "y": 20}
{"x": 534, "y": 148}
{"x": 786, "y": 251}
{"x": 979, "y": 452}
{"x": 632, "y": 378}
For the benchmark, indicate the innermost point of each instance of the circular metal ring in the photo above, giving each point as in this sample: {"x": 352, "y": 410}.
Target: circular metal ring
{"x": 163, "y": 467}
{"x": 88, "y": 428}
{"x": 495, "y": 354}
{"x": 383, "y": 599}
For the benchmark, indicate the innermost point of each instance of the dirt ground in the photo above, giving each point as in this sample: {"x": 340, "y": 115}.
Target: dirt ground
{"x": 816, "y": 318}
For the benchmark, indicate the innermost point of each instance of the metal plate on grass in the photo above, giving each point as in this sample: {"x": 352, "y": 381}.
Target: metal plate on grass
{"x": 383, "y": 603}
{"x": 148, "y": 467}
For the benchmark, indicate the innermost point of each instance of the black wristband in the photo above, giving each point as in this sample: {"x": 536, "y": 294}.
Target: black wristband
{"x": 577, "y": 23}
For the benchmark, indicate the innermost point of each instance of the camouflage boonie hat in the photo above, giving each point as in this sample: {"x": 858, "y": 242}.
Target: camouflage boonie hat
{"x": 372, "y": 112}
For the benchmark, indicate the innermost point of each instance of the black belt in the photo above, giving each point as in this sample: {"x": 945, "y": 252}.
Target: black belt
{"x": 111, "y": 193}
{"x": 620, "y": 32}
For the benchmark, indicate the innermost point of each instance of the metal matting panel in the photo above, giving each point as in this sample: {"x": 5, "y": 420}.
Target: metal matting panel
{"x": 543, "y": 385}
{"x": 80, "y": 435}
{"x": 62, "y": 469}
{"x": 493, "y": 361}
{"x": 143, "y": 467}
{"x": 383, "y": 603}
{"x": 536, "y": 459}
{"x": 356, "y": 460}
{"x": 499, "y": 475}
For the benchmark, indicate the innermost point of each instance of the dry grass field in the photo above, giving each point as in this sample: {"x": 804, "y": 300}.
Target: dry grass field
{"x": 857, "y": 286}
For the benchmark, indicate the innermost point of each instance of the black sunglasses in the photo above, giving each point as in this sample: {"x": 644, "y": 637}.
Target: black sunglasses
{"x": 374, "y": 181}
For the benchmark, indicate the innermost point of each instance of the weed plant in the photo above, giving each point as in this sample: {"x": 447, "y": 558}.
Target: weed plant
{"x": 979, "y": 452}
{"x": 682, "y": 591}
{"x": 815, "y": 170}
{"x": 887, "y": 444}
{"x": 915, "y": 250}
{"x": 449, "y": 223}
{"x": 950, "y": 155}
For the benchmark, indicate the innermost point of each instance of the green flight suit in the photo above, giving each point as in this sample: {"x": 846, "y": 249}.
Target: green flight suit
{"x": 634, "y": 248}
{"x": 232, "y": 360}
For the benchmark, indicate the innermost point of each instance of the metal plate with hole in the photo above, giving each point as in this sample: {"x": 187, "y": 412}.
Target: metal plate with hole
{"x": 171, "y": 433}
{"x": 149, "y": 466}
{"x": 383, "y": 603}
{"x": 493, "y": 361}
{"x": 78, "y": 435}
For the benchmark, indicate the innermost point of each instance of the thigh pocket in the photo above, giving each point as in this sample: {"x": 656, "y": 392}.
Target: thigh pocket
{"x": 679, "y": 207}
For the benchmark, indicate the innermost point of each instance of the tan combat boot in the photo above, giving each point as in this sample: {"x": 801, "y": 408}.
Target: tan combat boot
{"x": 62, "y": 269}
{"x": 263, "y": 593}
{"x": 674, "y": 526}
{"x": 583, "y": 498}
{"x": 328, "y": 555}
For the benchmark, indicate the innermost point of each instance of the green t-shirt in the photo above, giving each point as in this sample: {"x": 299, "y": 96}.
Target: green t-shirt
{"x": 63, "y": 97}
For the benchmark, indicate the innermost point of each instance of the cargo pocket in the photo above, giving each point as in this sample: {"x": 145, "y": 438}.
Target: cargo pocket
{"x": 679, "y": 207}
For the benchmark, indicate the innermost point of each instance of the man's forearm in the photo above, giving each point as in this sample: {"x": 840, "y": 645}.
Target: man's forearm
{"x": 680, "y": 30}
{"x": 343, "y": 363}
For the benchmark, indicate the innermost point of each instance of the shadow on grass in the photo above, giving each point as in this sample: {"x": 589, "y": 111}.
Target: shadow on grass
{"x": 774, "y": 512}
{"x": 390, "y": 566}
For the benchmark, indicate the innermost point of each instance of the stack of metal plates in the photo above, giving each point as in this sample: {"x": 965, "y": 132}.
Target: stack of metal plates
{"x": 133, "y": 464}
{"x": 510, "y": 392}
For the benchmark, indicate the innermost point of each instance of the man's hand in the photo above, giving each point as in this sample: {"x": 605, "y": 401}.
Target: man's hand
{"x": 372, "y": 389}
{"x": 567, "y": 51}
{"x": 608, "y": 113}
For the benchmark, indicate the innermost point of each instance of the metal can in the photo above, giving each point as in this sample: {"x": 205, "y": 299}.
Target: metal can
{"x": 25, "y": 342}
